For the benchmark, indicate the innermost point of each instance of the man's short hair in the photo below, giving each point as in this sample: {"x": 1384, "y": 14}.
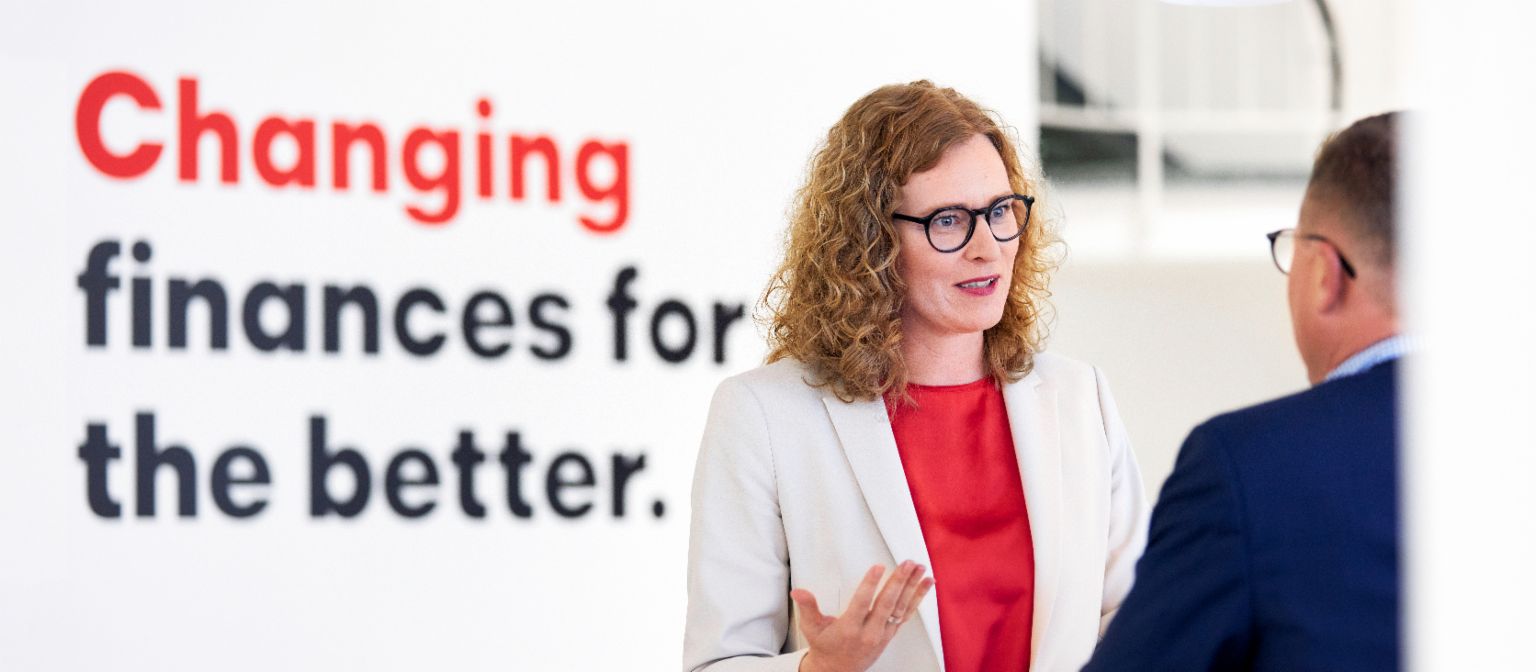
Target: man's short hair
{"x": 1356, "y": 172}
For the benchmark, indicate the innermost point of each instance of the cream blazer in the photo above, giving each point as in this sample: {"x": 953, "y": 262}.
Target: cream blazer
{"x": 797, "y": 489}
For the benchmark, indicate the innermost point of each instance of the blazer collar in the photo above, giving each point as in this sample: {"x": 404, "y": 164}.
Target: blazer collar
{"x": 1033, "y": 420}
{"x": 864, "y": 430}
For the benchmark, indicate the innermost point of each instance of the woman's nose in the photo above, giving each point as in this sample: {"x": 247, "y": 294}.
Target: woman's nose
{"x": 982, "y": 246}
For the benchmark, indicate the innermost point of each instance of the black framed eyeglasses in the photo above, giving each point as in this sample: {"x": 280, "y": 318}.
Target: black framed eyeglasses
{"x": 1282, "y": 248}
{"x": 950, "y": 228}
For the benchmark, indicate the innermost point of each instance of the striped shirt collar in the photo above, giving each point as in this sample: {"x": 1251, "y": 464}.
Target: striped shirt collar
{"x": 1384, "y": 350}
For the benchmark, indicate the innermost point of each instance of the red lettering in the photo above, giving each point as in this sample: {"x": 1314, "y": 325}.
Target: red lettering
{"x": 303, "y": 169}
{"x": 617, "y": 192}
{"x": 446, "y": 181}
{"x": 88, "y": 124}
{"x": 601, "y": 168}
{"x": 342, "y": 137}
{"x": 193, "y": 126}
{"x": 483, "y": 152}
{"x": 542, "y": 145}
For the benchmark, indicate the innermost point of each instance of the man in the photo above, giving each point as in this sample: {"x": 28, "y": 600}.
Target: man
{"x": 1274, "y": 544}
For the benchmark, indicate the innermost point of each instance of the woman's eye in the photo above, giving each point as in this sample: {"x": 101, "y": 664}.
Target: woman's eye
{"x": 1000, "y": 211}
{"x": 945, "y": 221}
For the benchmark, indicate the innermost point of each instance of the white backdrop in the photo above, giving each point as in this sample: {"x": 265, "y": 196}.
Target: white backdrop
{"x": 717, "y": 106}
{"x": 1469, "y": 451}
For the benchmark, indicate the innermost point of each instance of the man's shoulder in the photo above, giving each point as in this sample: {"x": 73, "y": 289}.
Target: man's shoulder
{"x": 1338, "y": 410}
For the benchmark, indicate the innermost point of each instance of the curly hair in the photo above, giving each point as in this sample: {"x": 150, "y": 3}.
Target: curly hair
{"x": 834, "y": 304}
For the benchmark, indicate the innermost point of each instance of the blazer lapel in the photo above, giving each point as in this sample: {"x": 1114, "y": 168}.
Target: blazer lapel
{"x": 1033, "y": 421}
{"x": 864, "y": 430}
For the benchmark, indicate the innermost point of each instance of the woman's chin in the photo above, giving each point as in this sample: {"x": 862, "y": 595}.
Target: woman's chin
{"x": 976, "y": 325}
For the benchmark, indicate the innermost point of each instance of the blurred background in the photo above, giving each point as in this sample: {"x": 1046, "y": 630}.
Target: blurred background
{"x": 1176, "y": 135}
{"x": 381, "y": 335}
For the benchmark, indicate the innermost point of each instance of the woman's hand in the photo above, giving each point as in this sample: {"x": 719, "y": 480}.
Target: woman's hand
{"x": 851, "y": 642}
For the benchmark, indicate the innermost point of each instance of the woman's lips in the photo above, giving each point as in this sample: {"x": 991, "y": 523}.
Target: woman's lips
{"x": 979, "y": 286}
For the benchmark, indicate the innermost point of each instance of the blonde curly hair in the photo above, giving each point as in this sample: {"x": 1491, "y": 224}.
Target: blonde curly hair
{"x": 834, "y": 304}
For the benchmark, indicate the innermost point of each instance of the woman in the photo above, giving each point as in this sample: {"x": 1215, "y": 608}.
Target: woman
{"x": 907, "y": 415}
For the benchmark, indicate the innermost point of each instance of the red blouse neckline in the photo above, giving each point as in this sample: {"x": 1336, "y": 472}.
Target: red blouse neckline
{"x": 979, "y": 382}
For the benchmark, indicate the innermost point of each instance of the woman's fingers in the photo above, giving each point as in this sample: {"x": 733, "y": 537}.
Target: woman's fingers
{"x": 907, "y": 598}
{"x": 896, "y": 602}
{"x": 884, "y": 608}
{"x": 807, "y": 603}
{"x": 921, "y": 591}
{"x": 865, "y": 593}
{"x": 811, "y": 618}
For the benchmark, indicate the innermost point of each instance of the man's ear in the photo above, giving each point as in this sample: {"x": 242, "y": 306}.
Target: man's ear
{"x": 1331, "y": 282}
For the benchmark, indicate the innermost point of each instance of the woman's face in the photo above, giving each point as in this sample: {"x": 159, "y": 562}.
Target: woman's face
{"x": 960, "y": 292}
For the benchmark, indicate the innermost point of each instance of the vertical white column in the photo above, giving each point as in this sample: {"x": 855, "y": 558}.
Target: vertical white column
{"x": 1149, "y": 121}
{"x": 1469, "y": 287}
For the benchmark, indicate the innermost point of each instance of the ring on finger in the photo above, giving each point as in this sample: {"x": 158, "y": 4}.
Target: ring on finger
{"x": 893, "y": 620}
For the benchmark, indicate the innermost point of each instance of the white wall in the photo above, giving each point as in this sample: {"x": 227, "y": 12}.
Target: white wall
{"x": 1179, "y": 342}
{"x": 719, "y": 106}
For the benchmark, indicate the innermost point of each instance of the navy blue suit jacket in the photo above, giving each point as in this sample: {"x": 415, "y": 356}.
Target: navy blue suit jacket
{"x": 1274, "y": 544}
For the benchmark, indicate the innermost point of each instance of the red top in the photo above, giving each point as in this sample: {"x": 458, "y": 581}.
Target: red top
{"x": 958, "y": 455}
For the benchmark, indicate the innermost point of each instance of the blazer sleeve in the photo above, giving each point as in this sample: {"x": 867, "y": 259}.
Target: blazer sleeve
{"x": 1192, "y": 606}
{"x": 1128, "y": 509}
{"x": 738, "y": 559}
